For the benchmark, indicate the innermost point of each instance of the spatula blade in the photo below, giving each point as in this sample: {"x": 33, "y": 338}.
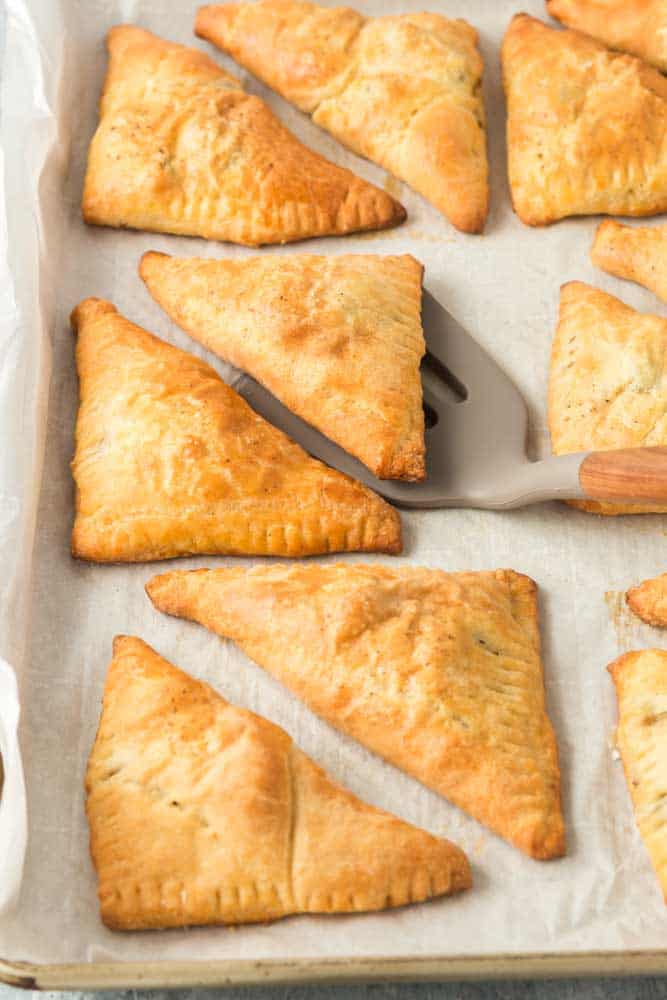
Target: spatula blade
{"x": 479, "y": 431}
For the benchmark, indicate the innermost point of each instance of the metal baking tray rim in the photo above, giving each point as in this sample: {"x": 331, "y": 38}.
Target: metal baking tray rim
{"x": 182, "y": 974}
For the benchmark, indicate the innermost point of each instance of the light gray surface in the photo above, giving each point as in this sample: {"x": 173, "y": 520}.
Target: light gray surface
{"x": 614, "y": 989}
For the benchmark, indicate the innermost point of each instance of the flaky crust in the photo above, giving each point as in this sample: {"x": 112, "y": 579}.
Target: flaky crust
{"x": 181, "y": 148}
{"x": 170, "y": 461}
{"x": 440, "y": 673}
{"x": 404, "y": 91}
{"x": 586, "y": 127}
{"x": 337, "y": 339}
{"x": 638, "y": 253}
{"x": 641, "y": 688}
{"x": 649, "y": 601}
{"x": 635, "y": 26}
{"x": 203, "y": 813}
{"x": 608, "y": 381}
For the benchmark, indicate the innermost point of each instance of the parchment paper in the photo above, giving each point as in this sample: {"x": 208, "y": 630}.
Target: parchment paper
{"x": 504, "y": 287}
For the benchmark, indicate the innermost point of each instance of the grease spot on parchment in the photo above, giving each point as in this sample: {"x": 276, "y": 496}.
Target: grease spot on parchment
{"x": 380, "y": 234}
{"x": 425, "y": 237}
{"x": 624, "y": 622}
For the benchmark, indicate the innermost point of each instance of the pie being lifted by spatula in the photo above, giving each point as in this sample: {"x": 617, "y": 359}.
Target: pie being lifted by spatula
{"x": 337, "y": 339}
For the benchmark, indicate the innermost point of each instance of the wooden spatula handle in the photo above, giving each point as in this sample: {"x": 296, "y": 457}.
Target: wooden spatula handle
{"x": 632, "y": 474}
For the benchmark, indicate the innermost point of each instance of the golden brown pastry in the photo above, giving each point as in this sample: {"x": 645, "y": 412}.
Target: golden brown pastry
{"x": 439, "y": 673}
{"x": 638, "y": 253}
{"x": 170, "y": 461}
{"x": 181, "y": 148}
{"x": 203, "y": 813}
{"x": 649, "y": 601}
{"x": 608, "y": 381}
{"x": 641, "y": 737}
{"x": 635, "y": 26}
{"x": 586, "y": 127}
{"x": 337, "y": 339}
{"x": 404, "y": 91}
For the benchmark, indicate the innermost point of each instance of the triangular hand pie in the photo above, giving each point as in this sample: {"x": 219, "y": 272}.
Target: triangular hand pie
{"x": 203, "y": 813}
{"x": 635, "y": 26}
{"x": 170, "y": 461}
{"x": 404, "y": 91}
{"x": 181, "y": 148}
{"x": 641, "y": 688}
{"x": 608, "y": 381}
{"x": 586, "y": 127}
{"x": 638, "y": 253}
{"x": 440, "y": 673}
{"x": 337, "y": 339}
{"x": 649, "y": 601}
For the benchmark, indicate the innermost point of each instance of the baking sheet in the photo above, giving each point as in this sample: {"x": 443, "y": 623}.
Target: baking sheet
{"x": 58, "y": 617}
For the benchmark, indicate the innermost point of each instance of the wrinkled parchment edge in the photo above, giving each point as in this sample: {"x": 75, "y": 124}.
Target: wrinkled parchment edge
{"x": 31, "y": 152}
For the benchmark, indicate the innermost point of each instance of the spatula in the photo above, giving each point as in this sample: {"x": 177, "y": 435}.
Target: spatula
{"x": 476, "y": 423}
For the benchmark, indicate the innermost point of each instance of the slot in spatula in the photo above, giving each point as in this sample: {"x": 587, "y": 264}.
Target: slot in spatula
{"x": 476, "y": 423}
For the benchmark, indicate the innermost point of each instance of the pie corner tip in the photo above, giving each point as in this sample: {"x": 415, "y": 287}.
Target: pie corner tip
{"x": 462, "y": 877}
{"x": 113, "y": 34}
{"x": 521, "y": 581}
{"x": 386, "y": 213}
{"x": 607, "y": 225}
{"x": 210, "y": 14}
{"x": 149, "y": 261}
{"x": 111, "y": 919}
{"x": 552, "y": 846}
{"x": 167, "y": 591}
{"x": 472, "y": 219}
{"x": 409, "y": 465}
{"x": 545, "y": 840}
{"x": 603, "y": 231}
{"x": 521, "y": 18}
{"x": 120, "y": 35}
{"x": 647, "y": 602}
{"x": 400, "y": 212}
{"x": 631, "y": 597}
{"x": 572, "y": 289}
{"x": 618, "y": 666}
{"x": 88, "y": 309}
{"x": 157, "y": 587}
{"x": 416, "y": 266}
{"x": 122, "y": 642}
{"x": 389, "y": 538}
{"x": 89, "y": 212}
